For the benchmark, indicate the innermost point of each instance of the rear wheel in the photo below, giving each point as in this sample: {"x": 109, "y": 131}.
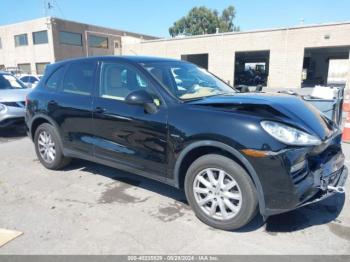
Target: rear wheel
{"x": 48, "y": 149}
{"x": 220, "y": 192}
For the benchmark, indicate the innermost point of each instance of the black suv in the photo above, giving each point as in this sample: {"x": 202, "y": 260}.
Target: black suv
{"x": 233, "y": 153}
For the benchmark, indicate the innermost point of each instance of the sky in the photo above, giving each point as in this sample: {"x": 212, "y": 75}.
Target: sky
{"x": 154, "y": 17}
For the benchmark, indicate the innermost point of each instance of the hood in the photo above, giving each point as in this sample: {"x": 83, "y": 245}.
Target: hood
{"x": 289, "y": 109}
{"x": 14, "y": 95}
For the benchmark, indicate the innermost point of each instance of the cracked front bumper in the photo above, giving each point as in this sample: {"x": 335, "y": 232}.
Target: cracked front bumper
{"x": 326, "y": 190}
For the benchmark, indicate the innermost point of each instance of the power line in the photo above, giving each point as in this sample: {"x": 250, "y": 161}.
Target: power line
{"x": 59, "y": 8}
{"x": 51, "y": 5}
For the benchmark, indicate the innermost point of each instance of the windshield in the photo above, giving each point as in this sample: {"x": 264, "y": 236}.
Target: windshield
{"x": 187, "y": 81}
{"x": 10, "y": 82}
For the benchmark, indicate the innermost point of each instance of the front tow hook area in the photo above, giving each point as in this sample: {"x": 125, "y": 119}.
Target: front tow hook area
{"x": 329, "y": 188}
{"x": 338, "y": 189}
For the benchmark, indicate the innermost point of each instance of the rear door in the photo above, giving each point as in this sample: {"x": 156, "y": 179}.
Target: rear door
{"x": 72, "y": 106}
{"x": 125, "y": 134}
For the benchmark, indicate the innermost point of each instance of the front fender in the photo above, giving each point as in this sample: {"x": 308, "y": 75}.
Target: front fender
{"x": 234, "y": 153}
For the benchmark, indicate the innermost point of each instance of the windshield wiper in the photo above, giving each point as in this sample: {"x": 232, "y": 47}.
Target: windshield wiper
{"x": 202, "y": 97}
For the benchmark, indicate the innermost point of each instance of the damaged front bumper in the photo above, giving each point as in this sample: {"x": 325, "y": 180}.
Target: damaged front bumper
{"x": 297, "y": 177}
{"x": 328, "y": 186}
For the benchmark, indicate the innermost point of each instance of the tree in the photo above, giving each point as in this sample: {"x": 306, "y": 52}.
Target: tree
{"x": 201, "y": 20}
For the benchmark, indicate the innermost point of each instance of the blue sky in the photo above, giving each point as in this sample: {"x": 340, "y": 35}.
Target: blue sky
{"x": 155, "y": 16}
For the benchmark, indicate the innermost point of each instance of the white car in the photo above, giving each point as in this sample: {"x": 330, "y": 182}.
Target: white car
{"x": 12, "y": 100}
{"x": 30, "y": 80}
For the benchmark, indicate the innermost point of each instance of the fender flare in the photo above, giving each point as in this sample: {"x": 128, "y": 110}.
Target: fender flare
{"x": 230, "y": 150}
{"x": 48, "y": 119}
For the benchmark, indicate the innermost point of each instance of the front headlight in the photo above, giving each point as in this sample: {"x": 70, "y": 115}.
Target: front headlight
{"x": 289, "y": 135}
{"x": 2, "y": 108}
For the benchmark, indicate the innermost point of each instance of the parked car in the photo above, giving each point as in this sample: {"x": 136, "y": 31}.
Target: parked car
{"x": 30, "y": 80}
{"x": 232, "y": 153}
{"x": 12, "y": 100}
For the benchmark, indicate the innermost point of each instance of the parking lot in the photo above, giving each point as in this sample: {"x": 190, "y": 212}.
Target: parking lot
{"x": 92, "y": 209}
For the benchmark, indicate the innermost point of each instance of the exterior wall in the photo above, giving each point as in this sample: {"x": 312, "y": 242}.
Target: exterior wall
{"x": 286, "y": 48}
{"x": 64, "y": 51}
{"x": 11, "y": 56}
{"x": 348, "y": 82}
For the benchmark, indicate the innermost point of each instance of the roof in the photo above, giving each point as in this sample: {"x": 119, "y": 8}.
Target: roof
{"x": 135, "y": 59}
{"x": 296, "y": 27}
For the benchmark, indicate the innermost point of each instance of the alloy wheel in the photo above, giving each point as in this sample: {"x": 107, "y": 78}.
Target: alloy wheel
{"x": 217, "y": 194}
{"x": 46, "y": 147}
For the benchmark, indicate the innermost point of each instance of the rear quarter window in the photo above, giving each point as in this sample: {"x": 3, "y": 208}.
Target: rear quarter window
{"x": 55, "y": 79}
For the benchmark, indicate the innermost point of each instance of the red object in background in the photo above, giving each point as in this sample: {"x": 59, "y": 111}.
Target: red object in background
{"x": 346, "y": 103}
{"x": 346, "y": 131}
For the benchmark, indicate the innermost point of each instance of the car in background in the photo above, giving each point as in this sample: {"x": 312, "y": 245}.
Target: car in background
{"x": 30, "y": 80}
{"x": 12, "y": 100}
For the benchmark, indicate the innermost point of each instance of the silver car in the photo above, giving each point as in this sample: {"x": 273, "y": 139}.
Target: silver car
{"x": 12, "y": 100}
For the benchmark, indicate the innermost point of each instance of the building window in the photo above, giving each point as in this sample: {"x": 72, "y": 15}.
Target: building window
{"x": 40, "y": 68}
{"x": 24, "y": 68}
{"x": 70, "y": 38}
{"x": 98, "y": 41}
{"x": 2, "y": 67}
{"x": 21, "y": 40}
{"x": 40, "y": 37}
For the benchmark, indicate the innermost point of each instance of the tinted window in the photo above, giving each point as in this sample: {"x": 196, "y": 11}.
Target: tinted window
{"x": 79, "y": 78}
{"x": 21, "y": 40}
{"x": 8, "y": 81}
{"x": 25, "y": 79}
{"x": 55, "y": 79}
{"x": 33, "y": 79}
{"x": 119, "y": 80}
{"x": 70, "y": 38}
{"x": 40, "y": 37}
{"x": 98, "y": 41}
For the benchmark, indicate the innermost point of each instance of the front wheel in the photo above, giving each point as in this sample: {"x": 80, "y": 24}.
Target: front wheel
{"x": 220, "y": 192}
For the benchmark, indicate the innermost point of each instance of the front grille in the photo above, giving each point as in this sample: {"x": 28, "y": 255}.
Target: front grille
{"x": 14, "y": 104}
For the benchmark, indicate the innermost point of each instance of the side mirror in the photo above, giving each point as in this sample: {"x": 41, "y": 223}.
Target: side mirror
{"x": 142, "y": 98}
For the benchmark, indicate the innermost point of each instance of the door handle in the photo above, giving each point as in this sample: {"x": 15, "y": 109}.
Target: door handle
{"x": 99, "y": 110}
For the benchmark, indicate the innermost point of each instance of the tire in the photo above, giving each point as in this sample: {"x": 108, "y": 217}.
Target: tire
{"x": 59, "y": 160}
{"x": 242, "y": 196}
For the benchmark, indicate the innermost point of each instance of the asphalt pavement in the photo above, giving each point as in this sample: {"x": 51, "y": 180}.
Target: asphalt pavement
{"x": 92, "y": 209}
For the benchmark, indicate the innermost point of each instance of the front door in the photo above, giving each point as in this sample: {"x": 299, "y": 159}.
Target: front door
{"x": 125, "y": 134}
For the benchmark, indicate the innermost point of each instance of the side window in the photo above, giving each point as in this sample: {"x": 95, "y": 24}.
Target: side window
{"x": 32, "y": 80}
{"x": 25, "y": 79}
{"x": 119, "y": 80}
{"x": 55, "y": 79}
{"x": 79, "y": 78}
